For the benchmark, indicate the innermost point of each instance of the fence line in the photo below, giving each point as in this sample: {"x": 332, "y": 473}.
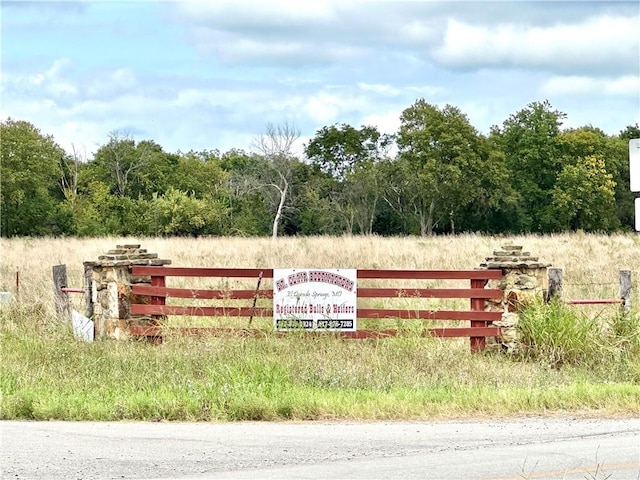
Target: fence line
{"x": 555, "y": 291}
{"x": 157, "y": 292}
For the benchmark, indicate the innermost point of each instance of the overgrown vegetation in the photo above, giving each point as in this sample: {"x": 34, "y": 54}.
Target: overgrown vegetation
{"x": 437, "y": 174}
{"x": 560, "y": 335}
{"x": 48, "y": 374}
{"x": 573, "y": 359}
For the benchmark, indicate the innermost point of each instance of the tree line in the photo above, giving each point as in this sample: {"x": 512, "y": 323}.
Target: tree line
{"x": 437, "y": 174}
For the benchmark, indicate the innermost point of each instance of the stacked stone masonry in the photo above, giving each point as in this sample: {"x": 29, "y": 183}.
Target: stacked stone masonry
{"x": 111, "y": 296}
{"x": 524, "y": 279}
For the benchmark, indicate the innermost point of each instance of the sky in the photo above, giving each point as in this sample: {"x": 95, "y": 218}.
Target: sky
{"x": 205, "y": 75}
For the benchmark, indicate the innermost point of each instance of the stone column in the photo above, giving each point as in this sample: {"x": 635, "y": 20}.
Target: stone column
{"x": 110, "y": 286}
{"x": 524, "y": 280}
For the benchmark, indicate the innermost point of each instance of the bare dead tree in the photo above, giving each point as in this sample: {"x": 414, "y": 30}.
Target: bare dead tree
{"x": 70, "y": 172}
{"x": 276, "y": 146}
{"x": 122, "y": 159}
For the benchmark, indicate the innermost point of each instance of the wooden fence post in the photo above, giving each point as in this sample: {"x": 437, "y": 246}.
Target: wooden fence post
{"x": 88, "y": 280}
{"x": 554, "y": 290}
{"x": 63, "y": 308}
{"x": 477, "y": 344}
{"x": 625, "y": 290}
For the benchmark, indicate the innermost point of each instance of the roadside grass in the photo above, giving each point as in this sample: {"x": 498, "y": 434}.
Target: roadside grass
{"x": 565, "y": 366}
{"x": 573, "y": 360}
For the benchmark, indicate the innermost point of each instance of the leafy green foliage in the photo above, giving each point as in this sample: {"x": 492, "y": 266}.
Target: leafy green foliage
{"x": 583, "y": 197}
{"x": 529, "y": 139}
{"x": 183, "y": 214}
{"x": 443, "y": 151}
{"x": 527, "y": 175}
{"x": 338, "y": 150}
{"x": 30, "y": 197}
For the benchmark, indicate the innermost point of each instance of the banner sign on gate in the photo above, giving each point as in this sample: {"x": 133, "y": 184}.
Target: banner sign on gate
{"x": 314, "y": 299}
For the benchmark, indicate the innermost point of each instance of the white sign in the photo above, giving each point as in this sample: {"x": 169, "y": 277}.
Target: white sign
{"x": 634, "y": 165}
{"x": 82, "y": 326}
{"x": 314, "y": 299}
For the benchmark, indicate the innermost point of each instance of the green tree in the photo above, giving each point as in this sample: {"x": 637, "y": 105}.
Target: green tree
{"x": 583, "y": 197}
{"x": 630, "y": 132}
{"x": 337, "y": 150}
{"x": 201, "y": 173}
{"x": 120, "y": 159}
{"x": 30, "y": 191}
{"x": 250, "y": 203}
{"x": 350, "y": 156}
{"x": 580, "y": 143}
{"x": 440, "y": 146}
{"x": 529, "y": 141}
{"x": 155, "y": 172}
{"x": 184, "y": 214}
{"x": 494, "y": 197}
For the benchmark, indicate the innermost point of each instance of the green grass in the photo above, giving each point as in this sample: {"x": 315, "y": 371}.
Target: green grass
{"x": 567, "y": 363}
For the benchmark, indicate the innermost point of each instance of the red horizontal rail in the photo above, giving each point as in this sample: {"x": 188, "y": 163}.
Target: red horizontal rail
{"x": 73, "y": 290}
{"x": 361, "y": 274}
{"x": 198, "y": 293}
{"x": 431, "y": 274}
{"x": 138, "y": 309}
{"x": 382, "y": 313}
{"x": 604, "y": 301}
{"x": 202, "y": 272}
{"x": 364, "y": 292}
{"x": 156, "y": 331}
{"x": 375, "y": 313}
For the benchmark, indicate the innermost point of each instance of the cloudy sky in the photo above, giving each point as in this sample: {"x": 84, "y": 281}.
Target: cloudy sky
{"x": 212, "y": 74}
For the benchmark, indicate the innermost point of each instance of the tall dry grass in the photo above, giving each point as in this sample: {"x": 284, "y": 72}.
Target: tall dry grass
{"x": 591, "y": 262}
{"x": 47, "y": 373}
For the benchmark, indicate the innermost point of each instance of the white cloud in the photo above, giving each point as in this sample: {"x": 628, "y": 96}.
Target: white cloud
{"x": 571, "y": 85}
{"x": 598, "y": 45}
{"x": 51, "y": 80}
{"x": 112, "y": 83}
{"x": 386, "y": 89}
{"x": 255, "y": 12}
{"x": 323, "y": 108}
{"x": 386, "y": 122}
{"x": 320, "y": 63}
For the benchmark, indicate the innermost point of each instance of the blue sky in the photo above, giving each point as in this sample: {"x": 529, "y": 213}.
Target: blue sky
{"x": 212, "y": 74}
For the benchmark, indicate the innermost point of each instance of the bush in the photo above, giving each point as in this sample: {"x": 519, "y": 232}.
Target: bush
{"x": 558, "y": 335}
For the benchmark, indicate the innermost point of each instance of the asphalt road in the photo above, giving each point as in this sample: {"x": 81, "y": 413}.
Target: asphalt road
{"x": 526, "y": 448}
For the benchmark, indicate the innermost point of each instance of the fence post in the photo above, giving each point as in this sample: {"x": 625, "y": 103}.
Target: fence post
{"x": 87, "y": 288}
{"x": 524, "y": 279}
{"x": 625, "y": 290}
{"x": 554, "y": 290}
{"x": 477, "y": 344}
{"x": 110, "y": 288}
{"x": 156, "y": 319}
{"x": 63, "y": 308}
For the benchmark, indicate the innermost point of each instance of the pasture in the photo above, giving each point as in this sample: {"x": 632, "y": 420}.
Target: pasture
{"x": 579, "y": 359}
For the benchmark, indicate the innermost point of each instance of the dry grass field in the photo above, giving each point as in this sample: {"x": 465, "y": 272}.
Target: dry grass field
{"x": 591, "y": 263}
{"x": 574, "y": 364}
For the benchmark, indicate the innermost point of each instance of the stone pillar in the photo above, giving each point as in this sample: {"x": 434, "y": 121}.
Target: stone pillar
{"x": 524, "y": 280}
{"x": 110, "y": 286}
